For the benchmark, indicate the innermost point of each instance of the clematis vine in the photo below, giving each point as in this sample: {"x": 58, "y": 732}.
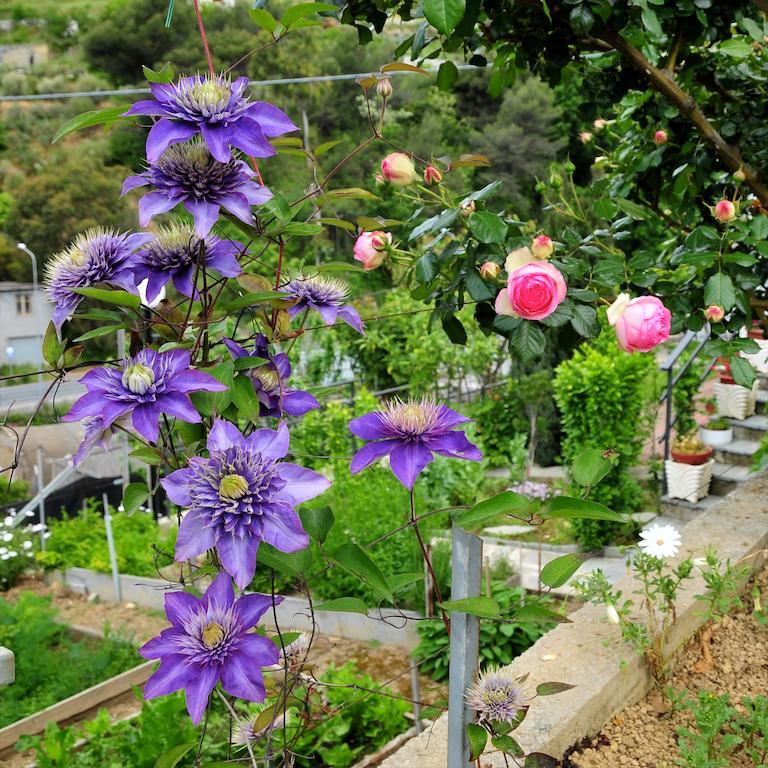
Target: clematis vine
{"x": 216, "y": 109}
{"x": 411, "y": 432}
{"x": 324, "y": 295}
{"x": 146, "y": 387}
{"x": 209, "y": 642}
{"x": 241, "y": 495}
{"x": 270, "y": 381}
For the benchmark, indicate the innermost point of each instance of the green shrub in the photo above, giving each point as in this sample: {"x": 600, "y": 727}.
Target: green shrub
{"x": 500, "y": 642}
{"x": 606, "y": 397}
{"x": 50, "y": 666}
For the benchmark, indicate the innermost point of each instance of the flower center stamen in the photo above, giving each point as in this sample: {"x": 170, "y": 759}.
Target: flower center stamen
{"x": 209, "y": 94}
{"x": 267, "y": 377}
{"x": 233, "y": 487}
{"x": 213, "y": 635}
{"x": 138, "y": 378}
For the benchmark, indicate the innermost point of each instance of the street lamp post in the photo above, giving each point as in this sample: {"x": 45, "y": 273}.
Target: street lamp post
{"x": 23, "y": 247}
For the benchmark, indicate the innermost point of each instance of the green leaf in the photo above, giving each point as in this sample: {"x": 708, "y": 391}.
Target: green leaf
{"x": 581, "y": 19}
{"x": 537, "y": 614}
{"x": 426, "y": 268}
{"x": 567, "y": 508}
{"x": 479, "y": 289}
{"x": 103, "y": 331}
{"x": 353, "y": 559}
{"x": 447, "y": 76}
{"x": 254, "y": 299}
{"x": 302, "y": 10}
{"x": 488, "y": 227}
{"x": 246, "y": 363}
{"x": 264, "y": 19}
{"x": 604, "y": 208}
{"x": 52, "y": 347}
{"x": 719, "y": 290}
{"x": 529, "y": 341}
{"x": 171, "y": 758}
{"x": 591, "y": 465}
{"x": 135, "y": 495}
{"x": 317, "y": 522}
{"x": 505, "y": 503}
{"x": 401, "y": 66}
{"x": 737, "y": 47}
{"x": 245, "y": 398}
{"x": 277, "y": 206}
{"x": 454, "y": 329}
{"x": 540, "y": 760}
{"x": 401, "y": 580}
{"x": 210, "y": 403}
{"x": 742, "y": 371}
{"x": 148, "y": 455}
{"x": 326, "y": 146}
{"x": 119, "y": 298}
{"x": 557, "y": 572}
{"x": 303, "y": 229}
{"x": 338, "y": 266}
{"x": 485, "y": 607}
{"x": 548, "y": 689}
{"x": 444, "y": 15}
{"x": 633, "y": 210}
{"x": 164, "y": 75}
{"x": 651, "y": 22}
{"x": 477, "y": 737}
{"x": 344, "y": 605}
{"x": 584, "y": 320}
{"x": 291, "y": 563}
{"x": 105, "y": 116}
{"x": 508, "y": 745}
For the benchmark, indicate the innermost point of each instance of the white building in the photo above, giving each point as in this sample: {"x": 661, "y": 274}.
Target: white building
{"x": 24, "y": 316}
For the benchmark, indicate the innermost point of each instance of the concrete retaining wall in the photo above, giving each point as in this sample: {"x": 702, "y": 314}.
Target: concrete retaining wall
{"x": 388, "y": 626}
{"x": 588, "y": 654}
{"x": 7, "y": 666}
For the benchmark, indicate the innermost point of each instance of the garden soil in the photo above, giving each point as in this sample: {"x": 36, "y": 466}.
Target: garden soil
{"x": 730, "y": 656}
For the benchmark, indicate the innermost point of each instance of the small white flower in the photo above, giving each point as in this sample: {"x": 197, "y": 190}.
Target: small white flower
{"x": 6, "y": 537}
{"x": 699, "y": 562}
{"x": 5, "y": 556}
{"x": 3, "y": 550}
{"x": 612, "y": 613}
{"x": 8, "y": 521}
{"x": 13, "y": 553}
{"x": 26, "y": 544}
{"x": 29, "y": 513}
{"x": 660, "y": 541}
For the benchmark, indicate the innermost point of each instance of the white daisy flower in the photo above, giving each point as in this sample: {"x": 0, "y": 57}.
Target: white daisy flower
{"x": 660, "y": 541}
{"x": 6, "y": 537}
{"x": 8, "y": 521}
{"x": 26, "y": 544}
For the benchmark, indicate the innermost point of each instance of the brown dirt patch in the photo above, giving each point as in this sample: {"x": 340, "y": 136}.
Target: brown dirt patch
{"x": 640, "y": 737}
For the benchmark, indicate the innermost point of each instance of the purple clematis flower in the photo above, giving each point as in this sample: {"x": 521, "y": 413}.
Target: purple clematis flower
{"x": 188, "y": 173}
{"x": 96, "y": 433}
{"x": 326, "y": 295}
{"x": 96, "y": 257}
{"x": 173, "y": 256}
{"x": 241, "y": 495}
{"x": 269, "y": 381}
{"x": 215, "y": 108}
{"x": 148, "y": 386}
{"x": 411, "y": 432}
{"x": 209, "y": 642}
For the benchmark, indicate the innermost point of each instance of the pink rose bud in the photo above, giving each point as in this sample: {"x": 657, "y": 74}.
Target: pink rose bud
{"x": 432, "y": 175}
{"x": 371, "y": 248}
{"x": 739, "y": 176}
{"x": 398, "y": 169}
{"x": 467, "y": 208}
{"x": 533, "y": 291}
{"x": 641, "y": 324}
{"x": 660, "y": 137}
{"x": 490, "y": 270}
{"x": 724, "y": 211}
{"x": 714, "y": 313}
{"x": 542, "y": 247}
{"x": 384, "y": 88}
{"x": 379, "y": 178}
{"x": 599, "y": 124}
{"x": 585, "y": 137}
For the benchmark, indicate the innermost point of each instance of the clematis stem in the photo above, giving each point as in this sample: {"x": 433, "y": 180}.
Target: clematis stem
{"x": 204, "y": 37}
{"x": 232, "y": 712}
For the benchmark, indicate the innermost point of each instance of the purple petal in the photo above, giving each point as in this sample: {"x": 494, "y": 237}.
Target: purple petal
{"x": 272, "y": 444}
{"x": 183, "y": 282}
{"x": 255, "y": 194}
{"x": 193, "y": 537}
{"x": 328, "y": 313}
{"x": 176, "y": 486}
{"x": 145, "y": 107}
{"x": 249, "y": 137}
{"x": 454, "y": 444}
{"x": 408, "y": 460}
{"x": 178, "y": 606}
{"x": 370, "y": 453}
{"x": 258, "y": 648}
{"x": 235, "y": 349}
{"x": 238, "y": 556}
{"x": 220, "y": 592}
{"x": 450, "y": 418}
{"x": 163, "y": 645}
{"x": 284, "y": 531}
{"x": 252, "y": 607}
{"x": 237, "y": 204}
{"x": 205, "y": 215}
{"x": 224, "y": 435}
{"x": 298, "y": 403}
{"x": 240, "y": 678}
{"x": 198, "y": 689}
{"x": 132, "y": 182}
{"x": 164, "y": 133}
{"x": 222, "y": 257}
{"x": 217, "y": 138}
{"x": 273, "y": 121}
{"x": 351, "y": 317}
{"x": 155, "y": 283}
{"x": 369, "y": 427}
{"x": 146, "y": 420}
{"x": 302, "y": 484}
{"x": 153, "y": 204}
{"x": 173, "y": 674}
{"x": 192, "y": 381}
{"x": 179, "y": 405}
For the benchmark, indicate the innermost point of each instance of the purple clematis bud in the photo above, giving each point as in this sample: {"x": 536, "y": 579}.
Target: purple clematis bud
{"x": 411, "y": 432}
{"x": 173, "y": 256}
{"x": 270, "y": 381}
{"x": 97, "y": 257}
{"x": 241, "y": 495}
{"x": 209, "y": 642}
{"x": 326, "y": 296}
{"x": 215, "y": 108}
{"x": 188, "y": 173}
{"x": 146, "y": 387}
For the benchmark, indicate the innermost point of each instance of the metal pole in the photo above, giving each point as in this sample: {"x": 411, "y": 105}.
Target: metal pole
{"x": 667, "y": 425}
{"x": 36, "y": 321}
{"x": 466, "y": 578}
{"x": 41, "y": 505}
{"x": 416, "y": 694}
{"x": 112, "y": 551}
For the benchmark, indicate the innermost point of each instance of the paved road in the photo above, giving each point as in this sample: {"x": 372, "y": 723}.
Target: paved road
{"x": 25, "y": 397}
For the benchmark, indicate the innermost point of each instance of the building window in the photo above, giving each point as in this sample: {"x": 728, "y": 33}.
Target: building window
{"x": 23, "y": 304}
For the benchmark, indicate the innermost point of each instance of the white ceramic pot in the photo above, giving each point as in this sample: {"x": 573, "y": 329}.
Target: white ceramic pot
{"x": 688, "y": 481}
{"x": 716, "y": 437}
{"x": 735, "y": 401}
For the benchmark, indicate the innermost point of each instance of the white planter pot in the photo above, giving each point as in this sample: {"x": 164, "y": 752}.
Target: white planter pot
{"x": 688, "y": 481}
{"x": 716, "y": 437}
{"x": 735, "y": 401}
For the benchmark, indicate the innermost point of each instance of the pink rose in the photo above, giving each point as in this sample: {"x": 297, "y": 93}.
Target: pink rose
{"x": 641, "y": 324}
{"x": 533, "y": 291}
{"x": 397, "y": 168}
{"x": 660, "y": 137}
{"x": 542, "y": 247}
{"x": 714, "y": 313}
{"x": 724, "y": 211}
{"x": 371, "y": 248}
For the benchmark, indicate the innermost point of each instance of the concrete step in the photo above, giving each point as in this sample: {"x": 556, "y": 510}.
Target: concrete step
{"x": 762, "y": 400}
{"x": 725, "y": 477}
{"x": 737, "y": 452}
{"x": 685, "y": 511}
{"x": 752, "y": 428}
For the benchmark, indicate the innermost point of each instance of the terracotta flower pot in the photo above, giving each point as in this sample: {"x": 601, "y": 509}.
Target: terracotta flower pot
{"x": 692, "y": 458}
{"x": 725, "y": 379}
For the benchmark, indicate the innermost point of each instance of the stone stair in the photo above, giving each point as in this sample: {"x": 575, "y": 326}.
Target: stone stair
{"x": 733, "y": 461}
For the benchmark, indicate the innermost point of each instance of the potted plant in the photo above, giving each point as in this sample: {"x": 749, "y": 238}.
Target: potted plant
{"x": 717, "y": 432}
{"x": 689, "y": 471}
{"x": 733, "y": 400}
